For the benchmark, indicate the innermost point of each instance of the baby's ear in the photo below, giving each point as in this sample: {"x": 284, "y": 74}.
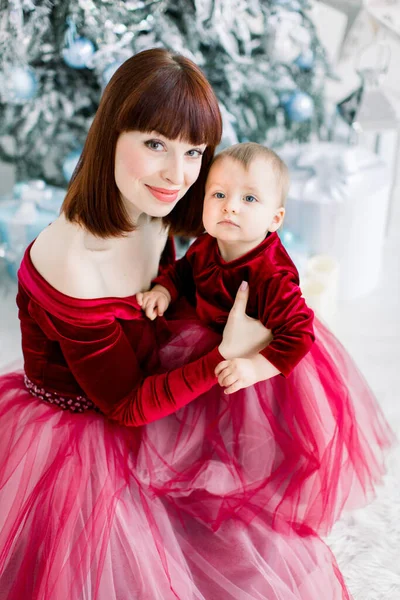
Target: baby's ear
{"x": 277, "y": 219}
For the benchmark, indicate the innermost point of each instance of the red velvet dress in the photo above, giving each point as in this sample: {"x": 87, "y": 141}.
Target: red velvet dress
{"x": 274, "y": 294}
{"x": 125, "y": 472}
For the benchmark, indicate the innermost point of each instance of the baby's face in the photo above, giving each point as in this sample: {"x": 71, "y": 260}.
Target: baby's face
{"x": 241, "y": 205}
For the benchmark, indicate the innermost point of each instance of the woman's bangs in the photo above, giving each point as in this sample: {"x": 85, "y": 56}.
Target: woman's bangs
{"x": 196, "y": 118}
{"x": 177, "y": 113}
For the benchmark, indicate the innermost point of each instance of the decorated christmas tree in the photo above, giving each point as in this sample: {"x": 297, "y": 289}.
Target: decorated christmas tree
{"x": 262, "y": 57}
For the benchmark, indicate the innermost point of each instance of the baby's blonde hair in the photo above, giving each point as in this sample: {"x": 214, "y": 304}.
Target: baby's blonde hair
{"x": 246, "y": 152}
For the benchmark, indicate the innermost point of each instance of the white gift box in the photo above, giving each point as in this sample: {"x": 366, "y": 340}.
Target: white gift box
{"x": 338, "y": 202}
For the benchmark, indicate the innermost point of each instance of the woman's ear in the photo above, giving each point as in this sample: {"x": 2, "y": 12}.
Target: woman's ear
{"x": 278, "y": 219}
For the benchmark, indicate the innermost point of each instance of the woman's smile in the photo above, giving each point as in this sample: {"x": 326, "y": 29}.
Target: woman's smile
{"x": 162, "y": 194}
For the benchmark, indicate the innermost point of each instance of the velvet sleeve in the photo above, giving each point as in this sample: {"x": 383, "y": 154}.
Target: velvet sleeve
{"x": 178, "y": 280}
{"x": 285, "y": 312}
{"x": 105, "y": 366}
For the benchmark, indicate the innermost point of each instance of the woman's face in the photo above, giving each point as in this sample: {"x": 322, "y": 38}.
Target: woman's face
{"x": 153, "y": 172}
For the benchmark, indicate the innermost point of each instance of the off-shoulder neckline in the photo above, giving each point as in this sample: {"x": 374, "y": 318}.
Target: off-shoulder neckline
{"x": 57, "y": 295}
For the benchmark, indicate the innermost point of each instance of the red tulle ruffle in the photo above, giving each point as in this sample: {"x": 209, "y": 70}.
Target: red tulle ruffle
{"x": 223, "y": 500}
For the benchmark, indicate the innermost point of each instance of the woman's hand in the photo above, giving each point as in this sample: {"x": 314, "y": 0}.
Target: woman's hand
{"x": 243, "y": 336}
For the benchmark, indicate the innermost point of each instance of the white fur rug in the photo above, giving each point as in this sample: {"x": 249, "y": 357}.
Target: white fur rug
{"x": 366, "y": 542}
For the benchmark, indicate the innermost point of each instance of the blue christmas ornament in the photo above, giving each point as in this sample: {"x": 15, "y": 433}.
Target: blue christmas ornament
{"x": 70, "y": 162}
{"x": 109, "y": 71}
{"x": 20, "y": 84}
{"x": 305, "y": 61}
{"x": 78, "y": 50}
{"x": 299, "y": 107}
{"x": 77, "y": 54}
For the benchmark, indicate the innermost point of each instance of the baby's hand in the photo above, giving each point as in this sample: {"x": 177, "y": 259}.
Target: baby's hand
{"x": 155, "y": 302}
{"x": 236, "y": 374}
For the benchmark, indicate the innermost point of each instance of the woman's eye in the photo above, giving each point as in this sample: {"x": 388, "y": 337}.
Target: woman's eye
{"x": 194, "y": 153}
{"x": 219, "y": 195}
{"x": 250, "y": 199}
{"x": 154, "y": 145}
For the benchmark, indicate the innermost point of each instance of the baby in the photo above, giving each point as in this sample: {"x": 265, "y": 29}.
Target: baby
{"x": 243, "y": 209}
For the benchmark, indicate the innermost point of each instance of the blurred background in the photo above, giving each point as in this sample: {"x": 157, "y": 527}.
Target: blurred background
{"x": 316, "y": 80}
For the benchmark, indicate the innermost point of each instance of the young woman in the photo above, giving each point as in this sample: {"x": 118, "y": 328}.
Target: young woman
{"x": 74, "y": 521}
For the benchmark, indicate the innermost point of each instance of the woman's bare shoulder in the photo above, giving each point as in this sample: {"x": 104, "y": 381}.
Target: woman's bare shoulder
{"x": 60, "y": 257}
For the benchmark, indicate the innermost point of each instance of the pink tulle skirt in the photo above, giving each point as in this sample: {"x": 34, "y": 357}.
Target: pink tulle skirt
{"x": 223, "y": 500}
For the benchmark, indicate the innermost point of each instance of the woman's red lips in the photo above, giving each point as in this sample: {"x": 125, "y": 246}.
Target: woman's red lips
{"x": 163, "y": 194}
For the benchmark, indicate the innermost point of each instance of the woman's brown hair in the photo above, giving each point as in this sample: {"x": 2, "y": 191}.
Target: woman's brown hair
{"x": 154, "y": 90}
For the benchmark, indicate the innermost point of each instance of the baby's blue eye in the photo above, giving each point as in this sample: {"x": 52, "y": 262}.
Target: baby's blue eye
{"x": 250, "y": 199}
{"x": 219, "y": 195}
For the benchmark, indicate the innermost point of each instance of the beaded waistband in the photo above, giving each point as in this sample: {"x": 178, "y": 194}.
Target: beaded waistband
{"x": 78, "y": 404}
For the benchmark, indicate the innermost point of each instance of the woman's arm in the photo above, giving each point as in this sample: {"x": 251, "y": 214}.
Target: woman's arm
{"x": 105, "y": 366}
